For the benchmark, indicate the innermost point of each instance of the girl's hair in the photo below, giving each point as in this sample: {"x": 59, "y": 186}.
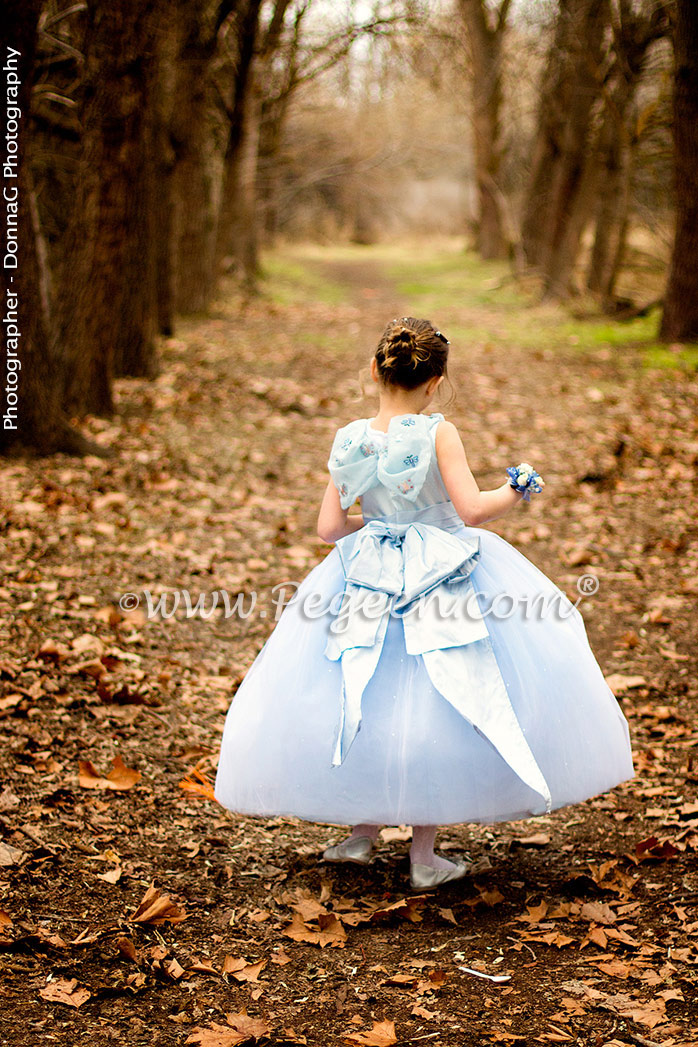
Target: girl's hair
{"x": 411, "y": 352}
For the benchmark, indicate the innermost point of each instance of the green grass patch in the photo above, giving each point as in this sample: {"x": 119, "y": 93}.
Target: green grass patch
{"x": 475, "y": 302}
{"x": 289, "y": 279}
{"x": 667, "y": 358}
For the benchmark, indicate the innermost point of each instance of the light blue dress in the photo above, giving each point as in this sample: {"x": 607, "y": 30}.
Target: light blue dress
{"x": 424, "y": 673}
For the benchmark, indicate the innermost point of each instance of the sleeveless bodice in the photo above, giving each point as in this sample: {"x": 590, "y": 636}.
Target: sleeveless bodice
{"x": 395, "y": 474}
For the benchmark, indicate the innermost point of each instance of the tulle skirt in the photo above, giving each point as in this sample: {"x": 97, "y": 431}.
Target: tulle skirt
{"x": 416, "y": 760}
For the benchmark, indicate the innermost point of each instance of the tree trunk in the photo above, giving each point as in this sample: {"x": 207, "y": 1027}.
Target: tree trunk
{"x": 680, "y": 317}
{"x": 245, "y": 226}
{"x": 30, "y": 388}
{"x": 611, "y": 218}
{"x": 486, "y": 57}
{"x": 108, "y": 287}
{"x": 164, "y": 160}
{"x": 634, "y": 30}
{"x": 247, "y": 30}
{"x": 198, "y": 170}
{"x": 570, "y": 90}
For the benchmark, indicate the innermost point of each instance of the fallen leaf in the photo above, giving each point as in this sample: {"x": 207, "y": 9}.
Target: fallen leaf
{"x": 396, "y": 834}
{"x": 216, "y": 1035}
{"x": 281, "y": 958}
{"x": 111, "y": 876}
{"x": 330, "y": 931}
{"x": 67, "y": 991}
{"x": 10, "y": 855}
{"x": 381, "y": 1035}
{"x": 127, "y": 949}
{"x": 120, "y": 777}
{"x": 421, "y": 1012}
{"x": 652, "y": 848}
{"x": 241, "y": 970}
{"x": 158, "y": 908}
{"x": 536, "y": 840}
{"x": 619, "y": 683}
{"x": 8, "y": 799}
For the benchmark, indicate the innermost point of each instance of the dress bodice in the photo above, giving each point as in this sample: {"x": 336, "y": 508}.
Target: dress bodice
{"x": 395, "y": 474}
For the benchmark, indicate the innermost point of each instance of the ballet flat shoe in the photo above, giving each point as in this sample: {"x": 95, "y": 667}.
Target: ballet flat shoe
{"x": 426, "y": 878}
{"x": 357, "y": 850}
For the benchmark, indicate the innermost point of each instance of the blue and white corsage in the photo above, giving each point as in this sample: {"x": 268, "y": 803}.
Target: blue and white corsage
{"x": 524, "y": 479}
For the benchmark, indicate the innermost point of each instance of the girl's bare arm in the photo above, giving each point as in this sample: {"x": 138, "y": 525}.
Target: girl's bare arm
{"x": 333, "y": 521}
{"x": 474, "y": 506}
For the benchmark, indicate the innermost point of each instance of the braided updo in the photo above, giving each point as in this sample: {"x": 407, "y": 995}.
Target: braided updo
{"x": 411, "y": 352}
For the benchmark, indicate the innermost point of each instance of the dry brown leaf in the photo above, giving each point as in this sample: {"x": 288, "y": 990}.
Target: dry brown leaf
{"x": 202, "y": 967}
{"x": 67, "y": 991}
{"x": 252, "y": 1028}
{"x": 330, "y": 931}
{"x": 620, "y": 684}
{"x": 111, "y": 876}
{"x": 127, "y": 949}
{"x": 397, "y": 834}
{"x": 241, "y": 970}
{"x": 381, "y": 1035}
{"x": 408, "y": 908}
{"x": 535, "y": 913}
{"x": 216, "y": 1035}
{"x": 421, "y": 1012}
{"x": 598, "y": 912}
{"x": 10, "y": 855}
{"x": 487, "y": 897}
{"x": 536, "y": 840}
{"x": 434, "y": 981}
{"x": 157, "y": 908}
{"x": 281, "y": 958}
{"x": 119, "y": 778}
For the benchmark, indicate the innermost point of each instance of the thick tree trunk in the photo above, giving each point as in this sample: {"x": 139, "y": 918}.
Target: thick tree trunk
{"x": 570, "y": 90}
{"x": 227, "y": 238}
{"x": 680, "y": 318}
{"x": 198, "y": 171}
{"x": 486, "y": 57}
{"x": 108, "y": 282}
{"x": 245, "y": 226}
{"x": 164, "y": 160}
{"x": 30, "y": 386}
{"x": 611, "y": 218}
{"x": 634, "y": 30}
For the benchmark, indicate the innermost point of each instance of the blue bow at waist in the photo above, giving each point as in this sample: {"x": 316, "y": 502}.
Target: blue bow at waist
{"x": 421, "y": 574}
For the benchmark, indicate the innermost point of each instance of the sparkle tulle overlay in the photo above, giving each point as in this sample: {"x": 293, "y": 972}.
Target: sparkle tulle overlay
{"x": 425, "y": 672}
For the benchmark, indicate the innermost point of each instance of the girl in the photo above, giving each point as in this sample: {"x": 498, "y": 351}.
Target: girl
{"x": 425, "y": 672}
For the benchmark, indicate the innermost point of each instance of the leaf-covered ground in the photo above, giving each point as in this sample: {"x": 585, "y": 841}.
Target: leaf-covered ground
{"x": 134, "y": 910}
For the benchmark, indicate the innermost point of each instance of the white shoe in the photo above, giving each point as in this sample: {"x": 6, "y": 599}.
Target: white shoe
{"x": 357, "y": 849}
{"x": 426, "y": 878}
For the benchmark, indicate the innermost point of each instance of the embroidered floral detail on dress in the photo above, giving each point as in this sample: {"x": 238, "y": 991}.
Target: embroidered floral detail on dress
{"x": 343, "y": 489}
{"x": 412, "y": 460}
{"x": 367, "y": 450}
{"x": 408, "y": 421}
{"x": 347, "y": 443}
{"x": 405, "y": 486}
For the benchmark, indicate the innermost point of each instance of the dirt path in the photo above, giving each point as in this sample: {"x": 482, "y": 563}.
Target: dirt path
{"x": 219, "y": 467}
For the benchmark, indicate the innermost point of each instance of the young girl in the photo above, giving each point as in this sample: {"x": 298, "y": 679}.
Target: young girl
{"x": 425, "y": 672}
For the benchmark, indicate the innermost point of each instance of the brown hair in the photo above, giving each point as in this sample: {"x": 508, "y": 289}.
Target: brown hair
{"x": 411, "y": 352}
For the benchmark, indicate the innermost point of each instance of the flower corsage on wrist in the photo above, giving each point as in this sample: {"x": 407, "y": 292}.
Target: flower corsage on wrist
{"x": 524, "y": 479}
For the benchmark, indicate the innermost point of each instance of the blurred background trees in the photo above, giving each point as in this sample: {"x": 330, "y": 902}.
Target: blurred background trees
{"x": 167, "y": 141}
